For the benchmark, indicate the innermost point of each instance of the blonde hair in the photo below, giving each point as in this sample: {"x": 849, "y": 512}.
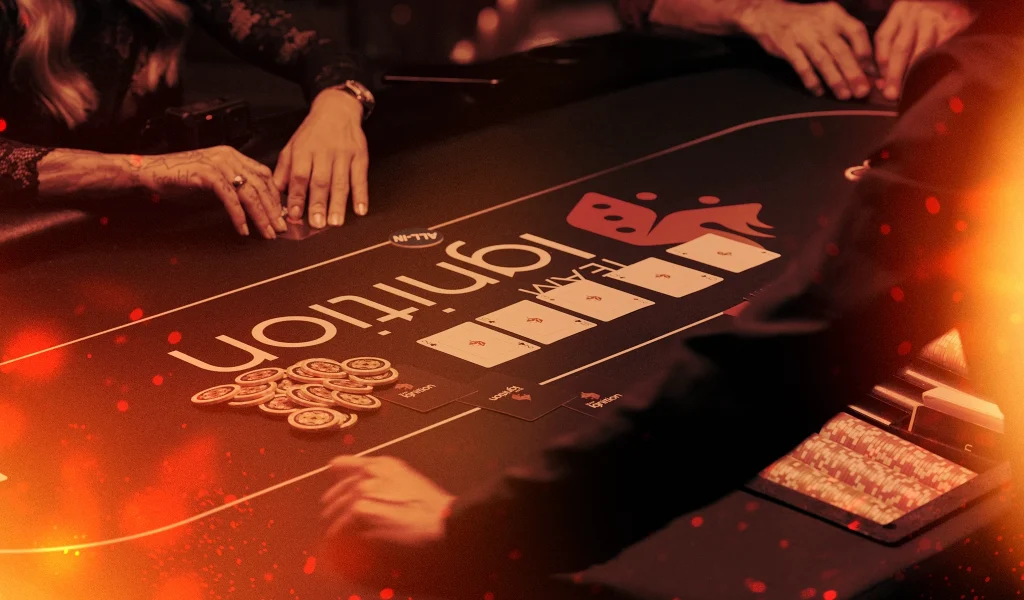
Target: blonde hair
{"x": 43, "y": 56}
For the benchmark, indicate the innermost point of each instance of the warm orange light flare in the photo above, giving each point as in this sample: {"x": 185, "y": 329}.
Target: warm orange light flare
{"x": 27, "y": 341}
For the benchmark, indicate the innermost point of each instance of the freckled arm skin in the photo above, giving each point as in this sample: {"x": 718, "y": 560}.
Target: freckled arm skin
{"x": 818, "y": 338}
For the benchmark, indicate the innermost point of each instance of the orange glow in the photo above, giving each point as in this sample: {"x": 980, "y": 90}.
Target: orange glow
{"x": 12, "y": 424}
{"x": 26, "y": 342}
{"x": 151, "y": 509}
{"x": 310, "y": 565}
{"x": 181, "y": 587}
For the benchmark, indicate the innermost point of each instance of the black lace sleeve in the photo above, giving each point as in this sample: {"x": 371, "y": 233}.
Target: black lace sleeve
{"x": 269, "y": 37}
{"x": 19, "y": 173}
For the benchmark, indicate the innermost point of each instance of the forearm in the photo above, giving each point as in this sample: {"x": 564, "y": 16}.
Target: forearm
{"x": 65, "y": 173}
{"x": 715, "y": 17}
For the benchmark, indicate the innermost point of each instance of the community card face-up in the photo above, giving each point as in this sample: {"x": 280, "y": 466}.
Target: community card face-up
{"x": 664, "y": 277}
{"x": 478, "y": 345}
{"x": 536, "y": 322}
{"x": 594, "y": 300}
{"x": 515, "y": 397}
{"x": 422, "y": 390}
{"x": 723, "y": 253}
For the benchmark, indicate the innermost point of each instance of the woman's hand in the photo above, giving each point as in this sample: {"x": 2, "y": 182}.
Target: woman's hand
{"x": 326, "y": 159}
{"x": 820, "y": 41}
{"x": 213, "y": 170}
{"x": 911, "y": 28}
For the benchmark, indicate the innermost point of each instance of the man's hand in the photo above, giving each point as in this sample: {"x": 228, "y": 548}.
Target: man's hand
{"x": 820, "y": 41}
{"x": 384, "y": 502}
{"x": 912, "y": 28}
{"x": 326, "y": 158}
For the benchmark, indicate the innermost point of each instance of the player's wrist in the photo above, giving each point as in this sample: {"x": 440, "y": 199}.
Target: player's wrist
{"x": 750, "y": 17}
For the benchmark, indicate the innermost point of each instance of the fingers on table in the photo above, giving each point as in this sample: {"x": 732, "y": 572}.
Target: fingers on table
{"x": 319, "y": 189}
{"x": 339, "y": 179}
{"x": 900, "y": 56}
{"x": 300, "y": 167}
{"x": 261, "y": 178}
{"x": 360, "y": 182}
{"x": 220, "y": 185}
{"x": 823, "y": 61}
{"x": 803, "y": 67}
{"x": 249, "y": 195}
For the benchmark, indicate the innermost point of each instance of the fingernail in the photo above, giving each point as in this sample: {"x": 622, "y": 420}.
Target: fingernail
{"x": 280, "y": 225}
{"x": 269, "y": 231}
{"x": 245, "y": 229}
{"x": 818, "y": 92}
{"x": 862, "y": 90}
{"x": 843, "y": 94}
{"x": 334, "y": 220}
{"x": 360, "y": 209}
{"x": 892, "y": 92}
{"x": 295, "y": 212}
{"x": 316, "y": 220}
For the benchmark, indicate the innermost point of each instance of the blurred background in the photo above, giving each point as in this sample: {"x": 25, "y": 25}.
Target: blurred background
{"x": 403, "y": 32}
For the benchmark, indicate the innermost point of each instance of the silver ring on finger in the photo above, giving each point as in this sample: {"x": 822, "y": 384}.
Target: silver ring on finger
{"x": 239, "y": 181}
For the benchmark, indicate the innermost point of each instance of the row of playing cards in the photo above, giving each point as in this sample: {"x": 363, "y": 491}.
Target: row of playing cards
{"x": 545, "y": 325}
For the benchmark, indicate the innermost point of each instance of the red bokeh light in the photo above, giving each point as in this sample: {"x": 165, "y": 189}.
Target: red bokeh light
{"x": 28, "y": 341}
{"x": 697, "y": 521}
{"x": 904, "y": 348}
{"x": 173, "y": 337}
{"x": 122, "y": 405}
{"x": 387, "y": 594}
{"x": 310, "y": 565}
{"x": 931, "y": 204}
{"x": 136, "y": 314}
{"x": 886, "y": 229}
{"x": 158, "y": 380}
{"x": 12, "y": 424}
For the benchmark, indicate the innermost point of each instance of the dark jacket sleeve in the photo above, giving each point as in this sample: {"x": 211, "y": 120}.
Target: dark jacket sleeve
{"x": 818, "y": 338}
{"x": 272, "y": 39}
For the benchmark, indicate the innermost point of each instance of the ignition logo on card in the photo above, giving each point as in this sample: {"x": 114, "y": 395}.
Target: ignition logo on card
{"x": 638, "y": 225}
{"x": 422, "y": 390}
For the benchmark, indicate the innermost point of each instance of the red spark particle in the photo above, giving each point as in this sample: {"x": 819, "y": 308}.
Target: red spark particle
{"x": 80, "y": 310}
{"x": 956, "y": 105}
{"x": 387, "y": 594}
{"x": 121, "y": 339}
{"x": 886, "y": 229}
{"x": 174, "y": 337}
{"x": 897, "y": 293}
{"x": 783, "y": 544}
{"x": 697, "y": 521}
{"x": 174, "y": 260}
{"x": 829, "y": 595}
{"x": 89, "y": 355}
{"x": 349, "y": 439}
{"x": 3, "y": 125}
{"x": 961, "y": 225}
{"x": 853, "y": 525}
{"x": 741, "y": 526}
{"x": 135, "y": 314}
{"x": 270, "y": 577}
{"x": 808, "y": 593}
{"x": 515, "y": 555}
{"x": 158, "y": 380}
{"x": 832, "y": 250}
{"x": 104, "y": 220}
{"x": 758, "y": 587}
{"x": 230, "y": 498}
{"x": 122, "y": 405}
{"x": 941, "y": 128}
{"x": 354, "y": 597}
{"x": 488, "y": 595}
{"x": 751, "y": 506}
{"x": 931, "y": 204}
{"x": 958, "y": 296}
{"x": 904, "y": 348}
{"x": 310, "y": 565}
{"x": 884, "y": 155}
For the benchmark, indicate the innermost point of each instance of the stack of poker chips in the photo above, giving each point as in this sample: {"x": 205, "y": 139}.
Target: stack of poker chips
{"x": 315, "y": 395}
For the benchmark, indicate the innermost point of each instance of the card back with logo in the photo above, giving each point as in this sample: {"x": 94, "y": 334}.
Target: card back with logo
{"x": 516, "y": 397}
{"x": 422, "y": 390}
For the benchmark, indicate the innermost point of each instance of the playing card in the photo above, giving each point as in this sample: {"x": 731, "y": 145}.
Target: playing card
{"x": 536, "y": 322}
{"x": 664, "y": 277}
{"x": 594, "y": 300}
{"x": 513, "y": 396}
{"x": 723, "y": 253}
{"x": 422, "y": 390}
{"x": 478, "y": 344}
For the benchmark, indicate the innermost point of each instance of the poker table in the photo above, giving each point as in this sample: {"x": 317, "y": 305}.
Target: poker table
{"x": 115, "y": 485}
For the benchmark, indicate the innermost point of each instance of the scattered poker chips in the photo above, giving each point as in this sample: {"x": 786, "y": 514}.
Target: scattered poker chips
{"x": 316, "y": 395}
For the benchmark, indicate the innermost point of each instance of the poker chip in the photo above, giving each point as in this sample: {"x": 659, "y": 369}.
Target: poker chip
{"x": 347, "y": 386}
{"x": 348, "y": 420}
{"x": 264, "y": 375}
{"x": 365, "y": 365}
{"x": 252, "y": 401}
{"x": 379, "y": 380}
{"x": 315, "y": 392}
{"x": 322, "y": 367}
{"x": 259, "y": 390}
{"x": 297, "y": 396}
{"x": 217, "y": 394}
{"x": 279, "y": 405}
{"x": 358, "y": 402}
{"x": 285, "y": 384}
{"x": 301, "y": 375}
{"x": 316, "y": 419}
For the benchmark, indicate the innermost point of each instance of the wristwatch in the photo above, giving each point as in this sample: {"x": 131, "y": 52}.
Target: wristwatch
{"x": 361, "y": 93}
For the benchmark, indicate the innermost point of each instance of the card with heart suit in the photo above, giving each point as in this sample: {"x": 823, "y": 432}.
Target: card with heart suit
{"x": 723, "y": 253}
{"x": 536, "y": 322}
{"x": 664, "y": 277}
{"x": 594, "y": 300}
{"x": 478, "y": 345}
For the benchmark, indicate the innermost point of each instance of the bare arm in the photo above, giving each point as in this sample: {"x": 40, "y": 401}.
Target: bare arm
{"x": 67, "y": 173}
{"x": 716, "y": 17}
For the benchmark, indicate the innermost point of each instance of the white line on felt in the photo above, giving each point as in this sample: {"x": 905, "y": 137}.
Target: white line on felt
{"x": 226, "y": 505}
{"x": 630, "y": 349}
{"x": 636, "y": 161}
